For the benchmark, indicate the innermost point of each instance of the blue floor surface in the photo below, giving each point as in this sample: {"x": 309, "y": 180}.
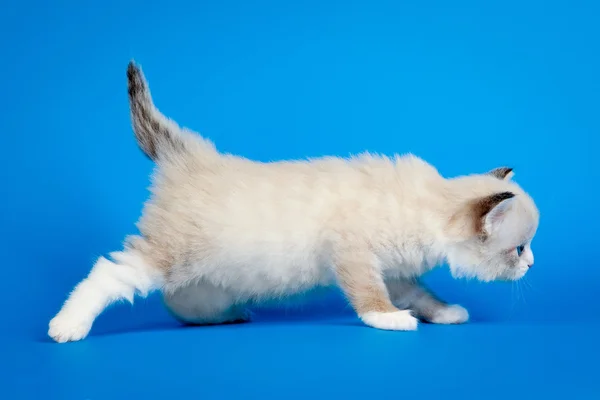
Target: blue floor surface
{"x": 324, "y": 357}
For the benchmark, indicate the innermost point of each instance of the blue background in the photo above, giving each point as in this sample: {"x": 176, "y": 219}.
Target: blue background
{"x": 465, "y": 85}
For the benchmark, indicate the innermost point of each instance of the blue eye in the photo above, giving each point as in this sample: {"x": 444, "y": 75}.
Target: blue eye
{"x": 520, "y": 250}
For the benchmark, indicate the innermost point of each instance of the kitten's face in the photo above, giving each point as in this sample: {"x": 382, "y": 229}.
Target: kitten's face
{"x": 498, "y": 257}
{"x": 500, "y": 246}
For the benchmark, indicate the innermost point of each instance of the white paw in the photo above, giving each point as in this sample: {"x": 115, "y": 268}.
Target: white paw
{"x": 392, "y": 321}
{"x": 454, "y": 314}
{"x": 67, "y": 327}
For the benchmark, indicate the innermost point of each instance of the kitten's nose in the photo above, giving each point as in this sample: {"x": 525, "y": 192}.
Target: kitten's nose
{"x": 530, "y": 265}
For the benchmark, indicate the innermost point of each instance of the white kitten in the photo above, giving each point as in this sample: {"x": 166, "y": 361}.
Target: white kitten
{"x": 221, "y": 231}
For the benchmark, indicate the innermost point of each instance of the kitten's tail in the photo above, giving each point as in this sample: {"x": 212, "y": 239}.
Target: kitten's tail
{"x": 156, "y": 135}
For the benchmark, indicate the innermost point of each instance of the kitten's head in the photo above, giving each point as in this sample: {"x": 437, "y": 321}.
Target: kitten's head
{"x": 491, "y": 228}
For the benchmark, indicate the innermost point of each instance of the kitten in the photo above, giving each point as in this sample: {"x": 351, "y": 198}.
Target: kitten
{"x": 220, "y": 232}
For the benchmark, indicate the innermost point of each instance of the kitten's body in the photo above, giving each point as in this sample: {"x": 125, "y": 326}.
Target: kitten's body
{"x": 221, "y": 231}
{"x": 272, "y": 229}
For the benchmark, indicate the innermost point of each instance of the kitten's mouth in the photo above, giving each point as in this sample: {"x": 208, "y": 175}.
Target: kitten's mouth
{"x": 519, "y": 275}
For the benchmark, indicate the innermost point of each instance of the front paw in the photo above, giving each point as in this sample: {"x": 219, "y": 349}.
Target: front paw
{"x": 453, "y": 314}
{"x": 392, "y": 321}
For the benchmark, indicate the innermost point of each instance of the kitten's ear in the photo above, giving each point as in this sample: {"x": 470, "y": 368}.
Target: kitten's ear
{"x": 490, "y": 211}
{"x": 504, "y": 173}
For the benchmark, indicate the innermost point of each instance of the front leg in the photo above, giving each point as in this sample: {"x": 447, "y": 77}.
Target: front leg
{"x": 361, "y": 280}
{"x": 411, "y": 294}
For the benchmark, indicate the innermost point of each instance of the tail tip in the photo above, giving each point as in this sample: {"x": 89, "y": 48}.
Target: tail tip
{"x": 135, "y": 78}
{"x": 132, "y": 69}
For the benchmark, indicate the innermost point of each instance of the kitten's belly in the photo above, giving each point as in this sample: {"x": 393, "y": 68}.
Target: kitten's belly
{"x": 267, "y": 251}
{"x": 252, "y": 273}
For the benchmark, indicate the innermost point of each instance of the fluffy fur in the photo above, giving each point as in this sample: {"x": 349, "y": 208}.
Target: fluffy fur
{"x": 220, "y": 232}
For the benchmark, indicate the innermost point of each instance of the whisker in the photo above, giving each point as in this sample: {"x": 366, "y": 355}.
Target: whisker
{"x": 523, "y": 294}
{"x": 512, "y": 300}
{"x": 529, "y": 285}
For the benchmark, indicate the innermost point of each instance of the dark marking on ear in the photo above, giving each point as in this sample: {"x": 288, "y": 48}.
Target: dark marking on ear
{"x": 501, "y": 173}
{"x": 483, "y": 206}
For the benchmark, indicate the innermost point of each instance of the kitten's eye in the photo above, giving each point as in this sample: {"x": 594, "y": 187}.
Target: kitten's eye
{"x": 520, "y": 250}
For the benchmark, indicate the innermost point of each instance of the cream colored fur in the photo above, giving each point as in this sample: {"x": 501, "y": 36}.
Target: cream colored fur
{"x": 221, "y": 231}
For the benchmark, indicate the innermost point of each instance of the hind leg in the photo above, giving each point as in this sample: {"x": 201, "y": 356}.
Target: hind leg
{"x": 203, "y": 303}
{"x": 107, "y": 282}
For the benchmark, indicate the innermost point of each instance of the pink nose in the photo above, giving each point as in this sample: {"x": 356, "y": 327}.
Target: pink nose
{"x": 530, "y": 265}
